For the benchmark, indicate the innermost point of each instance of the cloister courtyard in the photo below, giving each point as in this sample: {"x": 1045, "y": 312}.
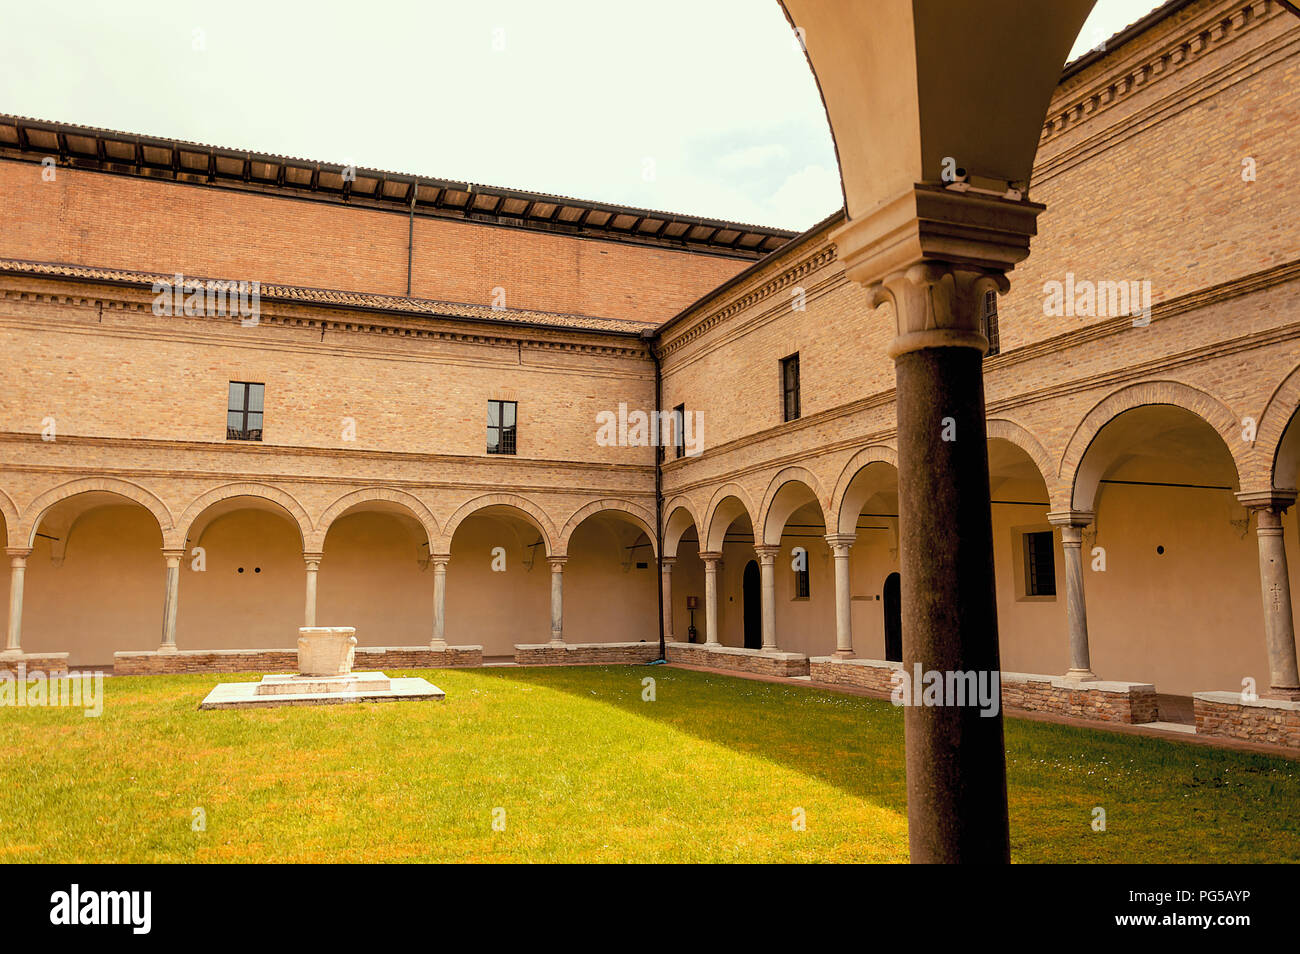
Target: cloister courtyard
{"x": 573, "y": 764}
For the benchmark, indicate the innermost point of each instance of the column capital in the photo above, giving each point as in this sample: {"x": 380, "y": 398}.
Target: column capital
{"x": 171, "y": 553}
{"x": 668, "y": 562}
{"x": 311, "y": 557}
{"x": 841, "y": 539}
{"x": 557, "y": 563}
{"x": 440, "y": 560}
{"x": 18, "y": 553}
{"x": 1071, "y": 518}
{"x": 1275, "y": 500}
{"x": 711, "y": 556}
{"x": 767, "y": 553}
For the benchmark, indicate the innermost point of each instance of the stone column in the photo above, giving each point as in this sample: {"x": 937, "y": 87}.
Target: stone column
{"x": 956, "y": 762}
{"x": 439, "y": 561}
{"x": 171, "y": 599}
{"x": 1072, "y": 524}
{"x": 767, "y": 577}
{"x": 711, "y": 560}
{"x": 1275, "y": 584}
{"x": 666, "y": 581}
{"x": 840, "y": 544}
{"x": 313, "y": 565}
{"x": 17, "y": 568}
{"x": 557, "y": 599}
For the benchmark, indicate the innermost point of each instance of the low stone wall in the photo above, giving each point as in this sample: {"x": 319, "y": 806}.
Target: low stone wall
{"x": 586, "y": 654}
{"x": 1129, "y": 702}
{"x": 34, "y": 662}
{"x": 155, "y": 663}
{"x": 738, "y": 660}
{"x": 1100, "y": 700}
{"x": 1225, "y": 714}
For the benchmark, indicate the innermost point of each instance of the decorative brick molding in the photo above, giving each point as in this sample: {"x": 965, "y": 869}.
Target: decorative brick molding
{"x": 738, "y": 660}
{"x": 286, "y": 660}
{"x": 1274, "y": 721}
{"x": 34, "y": 662}
{"x": 585, "y": 654}
{"x": 1102, "y": 701}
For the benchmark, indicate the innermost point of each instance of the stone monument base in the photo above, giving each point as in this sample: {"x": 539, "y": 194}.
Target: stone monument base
{"x": 297, "y": 690}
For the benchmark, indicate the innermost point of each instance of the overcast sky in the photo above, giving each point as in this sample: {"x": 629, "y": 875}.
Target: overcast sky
{"x": 697, "y": 106}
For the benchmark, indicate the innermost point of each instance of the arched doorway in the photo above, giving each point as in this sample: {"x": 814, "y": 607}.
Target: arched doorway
{"x": 892, "y": 599}
{"x": 751, "y": 588}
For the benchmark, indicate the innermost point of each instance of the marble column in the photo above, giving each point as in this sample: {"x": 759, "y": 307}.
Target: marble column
{"x": 666, "y": 582}
{"x": 313, "y": 565}
{"x": 439, "y": 561}
{"x": 557, "y": 599}
{"x": 1275, "y": 586}
{"x": 1072, "y": 524}
{"x": 171, "y": 599}
{"x": 840, "y": 544}
{"x": 711, "y": 560}
{"x": 17, "y": 568}
{"x": 767, "y": 577}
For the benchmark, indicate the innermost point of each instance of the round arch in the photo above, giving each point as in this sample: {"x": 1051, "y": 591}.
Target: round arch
{"x": 1277, "y": 439}
{"x": 783, "y": 497}
{"x": 1079, "y": 483}
{"x": 635, "y": 514}
{"x": 286, "y": 501}
{"x": 121, "y": 488}
{"x": 413, "y": 506}
{"x": 728, "y": 503}
{"x": 535, "y": 515}
{"x": 11, "y": 519}
{"x": 681, "y": 518}
{"x": 847, "y": 518}
{"x": 1002, "y": 429}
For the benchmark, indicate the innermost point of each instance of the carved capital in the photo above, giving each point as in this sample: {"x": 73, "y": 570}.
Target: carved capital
{"x": 937, "y": 305}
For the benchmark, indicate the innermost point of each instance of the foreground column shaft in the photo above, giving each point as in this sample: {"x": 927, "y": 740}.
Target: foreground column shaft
{"x": 666, "y": 581}
{"x": 309, "y": 611}
{"x": 840, "y": 544}
{"x": 1072, "y": 524}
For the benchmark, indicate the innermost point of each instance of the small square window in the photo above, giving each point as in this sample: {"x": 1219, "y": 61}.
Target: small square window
{"x": 1040, "y": 564}
{"x": 244, "y": 407}
{"x": 501, "y": 427}
{"x": 790, "y": 387}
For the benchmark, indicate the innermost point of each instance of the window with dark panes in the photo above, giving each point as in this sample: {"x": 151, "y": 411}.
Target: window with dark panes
{"x": 1040, "y": 564}
{"x": 989, "y": 320}
{"x": 802, "y": 587}
{"x": 679, "y": 430}
{"x": 790, "y": 386}
{"x": 501, "y": 427}
{"x": 244, "y": 411}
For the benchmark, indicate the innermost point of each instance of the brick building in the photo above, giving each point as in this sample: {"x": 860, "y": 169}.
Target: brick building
{"x": 409, "y": 436}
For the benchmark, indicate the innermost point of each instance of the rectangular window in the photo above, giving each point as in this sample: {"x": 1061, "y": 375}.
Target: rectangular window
{"x": 679, "y": 430}
{"x": 802, "y": 589}
{"x": 1040, "y": 564}
{"x": 501, "y": 427}
{"x": 989, "y": 320}
{"x": 244, "y": 411}
{"x": 790, "y": 386}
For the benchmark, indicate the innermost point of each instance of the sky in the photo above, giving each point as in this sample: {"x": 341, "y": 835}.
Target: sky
{"x": 705, "y": 107}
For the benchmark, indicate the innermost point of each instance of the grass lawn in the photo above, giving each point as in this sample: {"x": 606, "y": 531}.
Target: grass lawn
{"x": 713, "y": 770}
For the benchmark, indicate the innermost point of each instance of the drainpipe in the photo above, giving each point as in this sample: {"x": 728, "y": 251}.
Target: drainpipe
{"x": 410, "y": 237}
{"x": 648, "y": 336}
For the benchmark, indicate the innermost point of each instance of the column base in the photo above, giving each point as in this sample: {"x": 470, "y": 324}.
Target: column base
{"x": 11, "y": 653}
{"x": 1081, "y": 675}
{"x": 167, "y": 648}
{"x": 438, "y": 645}
{"x": 843, "y": 654}
{"x": 556, "y": 642}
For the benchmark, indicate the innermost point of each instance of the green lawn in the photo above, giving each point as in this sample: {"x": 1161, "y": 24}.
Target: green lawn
{"x": 713, "y": 770}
